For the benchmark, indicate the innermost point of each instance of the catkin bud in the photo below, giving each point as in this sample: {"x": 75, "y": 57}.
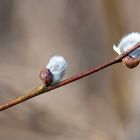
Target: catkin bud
{"x": 54, "y": 71}
{"x": 133, "y": 59}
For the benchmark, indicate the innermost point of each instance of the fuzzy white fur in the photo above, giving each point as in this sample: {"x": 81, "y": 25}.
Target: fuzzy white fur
{"x": 127, "y": 42}
{"x": 57, "y": 65}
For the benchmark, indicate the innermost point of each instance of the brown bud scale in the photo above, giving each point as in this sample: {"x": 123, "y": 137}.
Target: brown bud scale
{"x": 130, "y": 62}
{"x": 46, "y": 76}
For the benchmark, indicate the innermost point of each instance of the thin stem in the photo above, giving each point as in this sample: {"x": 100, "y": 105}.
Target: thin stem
{"x": 42, "y": 88}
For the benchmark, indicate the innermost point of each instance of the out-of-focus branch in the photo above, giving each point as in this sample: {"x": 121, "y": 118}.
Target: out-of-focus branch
{"x": 42, "y": 88}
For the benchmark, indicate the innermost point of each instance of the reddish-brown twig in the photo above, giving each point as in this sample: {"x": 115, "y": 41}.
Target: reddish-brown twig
{"x": 42, "y": 89}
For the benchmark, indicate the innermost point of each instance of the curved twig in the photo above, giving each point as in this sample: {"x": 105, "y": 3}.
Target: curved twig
{"x": 42, "y": 88}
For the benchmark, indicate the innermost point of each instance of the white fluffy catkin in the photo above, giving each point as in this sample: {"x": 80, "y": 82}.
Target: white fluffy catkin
{"x": 57, "y": 66}
{"x": 127, "y": 42}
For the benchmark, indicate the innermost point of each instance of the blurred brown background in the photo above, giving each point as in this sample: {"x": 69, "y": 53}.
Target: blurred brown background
{"x": 104, "y": 106}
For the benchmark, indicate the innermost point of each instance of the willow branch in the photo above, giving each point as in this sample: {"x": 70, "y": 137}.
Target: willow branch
{"x": 42, "y": 88}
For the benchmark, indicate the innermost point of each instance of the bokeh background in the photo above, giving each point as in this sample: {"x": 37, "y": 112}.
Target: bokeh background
{"x": 104, "y": 106}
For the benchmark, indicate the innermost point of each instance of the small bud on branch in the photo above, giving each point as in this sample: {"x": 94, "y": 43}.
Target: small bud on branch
{"x": 57, "y": 66}
{"x": 54, "y": 71}
{"x": 127, "y": 42}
